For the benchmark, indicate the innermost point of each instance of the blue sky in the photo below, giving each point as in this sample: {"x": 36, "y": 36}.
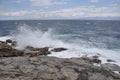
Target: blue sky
{"x": 59, "y": 9}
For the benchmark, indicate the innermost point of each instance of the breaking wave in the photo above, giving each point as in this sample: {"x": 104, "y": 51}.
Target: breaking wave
{"x": 27, "y": 36}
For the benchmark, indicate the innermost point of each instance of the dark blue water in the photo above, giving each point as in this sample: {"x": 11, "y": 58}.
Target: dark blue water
{"x": 103, "y": 34}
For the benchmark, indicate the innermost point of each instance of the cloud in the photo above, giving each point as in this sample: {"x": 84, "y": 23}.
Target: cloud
{"x": 46, "y": 2}
{"x": 87, "y": 12}
{"x": 94, "y": 1}
{"x": 19, "y": 1}
{"x": 14, "y": 14}
{"x": 71, "y": 13}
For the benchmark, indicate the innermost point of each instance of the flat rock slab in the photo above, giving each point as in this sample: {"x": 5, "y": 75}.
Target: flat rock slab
{"x": 51, "y": 68}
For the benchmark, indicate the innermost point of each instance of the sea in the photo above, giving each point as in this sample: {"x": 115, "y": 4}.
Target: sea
{"x": 82, "y": 38}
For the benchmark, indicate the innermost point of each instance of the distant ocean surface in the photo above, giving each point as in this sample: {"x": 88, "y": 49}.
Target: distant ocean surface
{"x": 81, "y": 37}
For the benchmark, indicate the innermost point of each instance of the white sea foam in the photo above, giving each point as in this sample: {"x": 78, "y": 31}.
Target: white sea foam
{"x": 27, "y": 36}
{"x": 103, "y": 54}
{"x": 4, "y": 38}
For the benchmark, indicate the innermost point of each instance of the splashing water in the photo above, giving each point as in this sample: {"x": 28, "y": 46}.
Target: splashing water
{"x": 26, "y": 36}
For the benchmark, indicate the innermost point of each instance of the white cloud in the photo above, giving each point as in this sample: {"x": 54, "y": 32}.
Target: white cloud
{"x": 90, "y": 11}
{"x": 13, "y": 14}
{"x": 79, "y": 12}
{"x": 94, "y": 1}
{"x": 46, "y": 2}
{"x": 19, "y": 1}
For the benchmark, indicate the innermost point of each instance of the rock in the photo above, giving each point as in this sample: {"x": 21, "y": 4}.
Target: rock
{"x": 3, "y": 45}
{"x": 10, "y": 53}
{"x": 95, "y": 60}
{"x": 51, "y": 68}
{"x": 30, "y": 51}
{"x": 112, "y": 67}
{"x": 110, "y": 60}
{"x": 14, "y": 43}
{"x": 70, "y": 74}
{"x": 7, "y": 51}
{"x": 58, "y": 49}
{"x": 11, "y": 42}
{"x": 8, "y": 41}
{"x": 95, "y": 56}
{"x": 29, "y": 48}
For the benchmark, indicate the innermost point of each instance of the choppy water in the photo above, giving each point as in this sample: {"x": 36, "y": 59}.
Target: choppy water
{"x": 81, "y": 37}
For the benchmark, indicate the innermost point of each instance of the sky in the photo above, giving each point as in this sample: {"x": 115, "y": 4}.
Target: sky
{"x": 59, "y": 9}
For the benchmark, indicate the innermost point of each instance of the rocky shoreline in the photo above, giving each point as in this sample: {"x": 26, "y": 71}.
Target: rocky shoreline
{"x": 7, "y": 50}
{"x": 33, "y": 64}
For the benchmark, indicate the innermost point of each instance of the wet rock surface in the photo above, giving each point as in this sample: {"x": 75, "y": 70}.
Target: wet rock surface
{"x": 110, "y": 60}
{"x": 31, "y": 51}
{"x": 7, "y": 50}
{"x": 58, "y": 49}
{"x": 51, "y": 68}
